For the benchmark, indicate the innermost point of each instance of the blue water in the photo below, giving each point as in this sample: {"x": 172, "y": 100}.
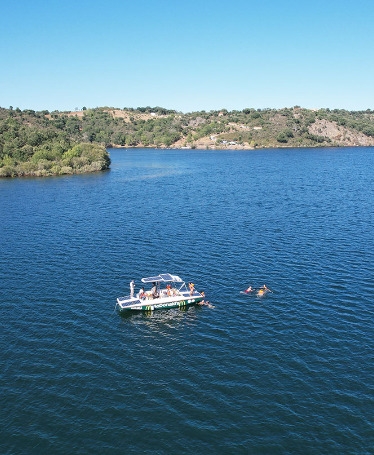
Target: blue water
{"x": 291, "y": 372}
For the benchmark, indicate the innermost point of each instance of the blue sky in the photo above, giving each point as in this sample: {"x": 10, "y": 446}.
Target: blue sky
{"x": 187, "y": 55}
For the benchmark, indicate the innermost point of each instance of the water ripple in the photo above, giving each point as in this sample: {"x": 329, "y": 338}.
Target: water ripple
{"x": 286, "y": 373}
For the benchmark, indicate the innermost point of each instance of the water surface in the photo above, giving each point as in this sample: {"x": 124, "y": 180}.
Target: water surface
{"x": 289, "y": 373}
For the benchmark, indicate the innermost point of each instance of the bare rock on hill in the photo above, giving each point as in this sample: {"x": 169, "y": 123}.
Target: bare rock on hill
{"x": 340, "y": 135}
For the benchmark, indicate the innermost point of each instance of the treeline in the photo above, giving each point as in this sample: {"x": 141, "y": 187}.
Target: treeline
{"x": 136, "y": 127}
{"x": 46, "y": 143}
{"x": 33, "y": 145}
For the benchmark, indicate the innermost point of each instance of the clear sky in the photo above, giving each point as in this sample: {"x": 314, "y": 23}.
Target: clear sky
{"x": 187, "y": 55}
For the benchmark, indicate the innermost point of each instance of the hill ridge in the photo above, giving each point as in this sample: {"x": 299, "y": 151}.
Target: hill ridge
{"x": 42, "y": 137}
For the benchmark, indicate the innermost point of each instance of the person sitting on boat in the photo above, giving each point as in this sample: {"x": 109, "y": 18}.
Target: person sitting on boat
{"x": 168, "y": 290}
{"x": 154, "y": 291}
{"x": 192, "y": 288}
{"x": 141, "y": 294}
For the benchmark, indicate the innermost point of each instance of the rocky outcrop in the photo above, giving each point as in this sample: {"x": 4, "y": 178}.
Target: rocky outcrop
{"x": 338, "y": 134}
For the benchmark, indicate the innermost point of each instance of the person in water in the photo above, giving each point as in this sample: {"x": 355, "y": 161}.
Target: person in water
{"x": 205, "y": 302}
{"x": 263, "y": 290}
{"x": 249, "y": 289}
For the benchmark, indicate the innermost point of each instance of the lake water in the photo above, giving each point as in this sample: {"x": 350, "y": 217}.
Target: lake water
{"x": 288, "y": 373}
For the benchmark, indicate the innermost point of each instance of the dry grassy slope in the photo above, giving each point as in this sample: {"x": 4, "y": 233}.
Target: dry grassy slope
{"x": 118, "y": 113}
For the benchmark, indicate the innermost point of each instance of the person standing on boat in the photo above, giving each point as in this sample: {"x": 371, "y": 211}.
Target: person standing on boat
{"x": 192, "y": 288}
{"x": 132, "y": 288}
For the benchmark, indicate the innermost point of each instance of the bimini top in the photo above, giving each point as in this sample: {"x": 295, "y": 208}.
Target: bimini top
{"x": 165, "y": 277}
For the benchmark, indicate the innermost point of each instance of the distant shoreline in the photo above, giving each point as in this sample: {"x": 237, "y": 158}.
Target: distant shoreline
{"x": 40, "y": 143}
{"x": 239, "y": 148}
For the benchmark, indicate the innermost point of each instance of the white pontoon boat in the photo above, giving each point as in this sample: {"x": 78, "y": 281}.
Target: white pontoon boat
{"x": 168, "y": 291}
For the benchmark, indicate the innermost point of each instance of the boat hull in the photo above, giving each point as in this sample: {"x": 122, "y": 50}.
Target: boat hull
{"x": 157, "y": 305}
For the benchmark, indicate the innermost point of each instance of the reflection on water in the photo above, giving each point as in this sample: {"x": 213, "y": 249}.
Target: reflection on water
{"x": 160, "y": 319}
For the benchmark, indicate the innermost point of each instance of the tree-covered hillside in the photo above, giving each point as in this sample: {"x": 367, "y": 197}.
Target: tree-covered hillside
{"x": 249, "y": 128}
{"x": 32, "y": 145}
{"x": 47, "y": 143}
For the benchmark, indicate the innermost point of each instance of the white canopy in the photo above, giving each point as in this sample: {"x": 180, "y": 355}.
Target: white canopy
{"x": 165, "y": 277}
